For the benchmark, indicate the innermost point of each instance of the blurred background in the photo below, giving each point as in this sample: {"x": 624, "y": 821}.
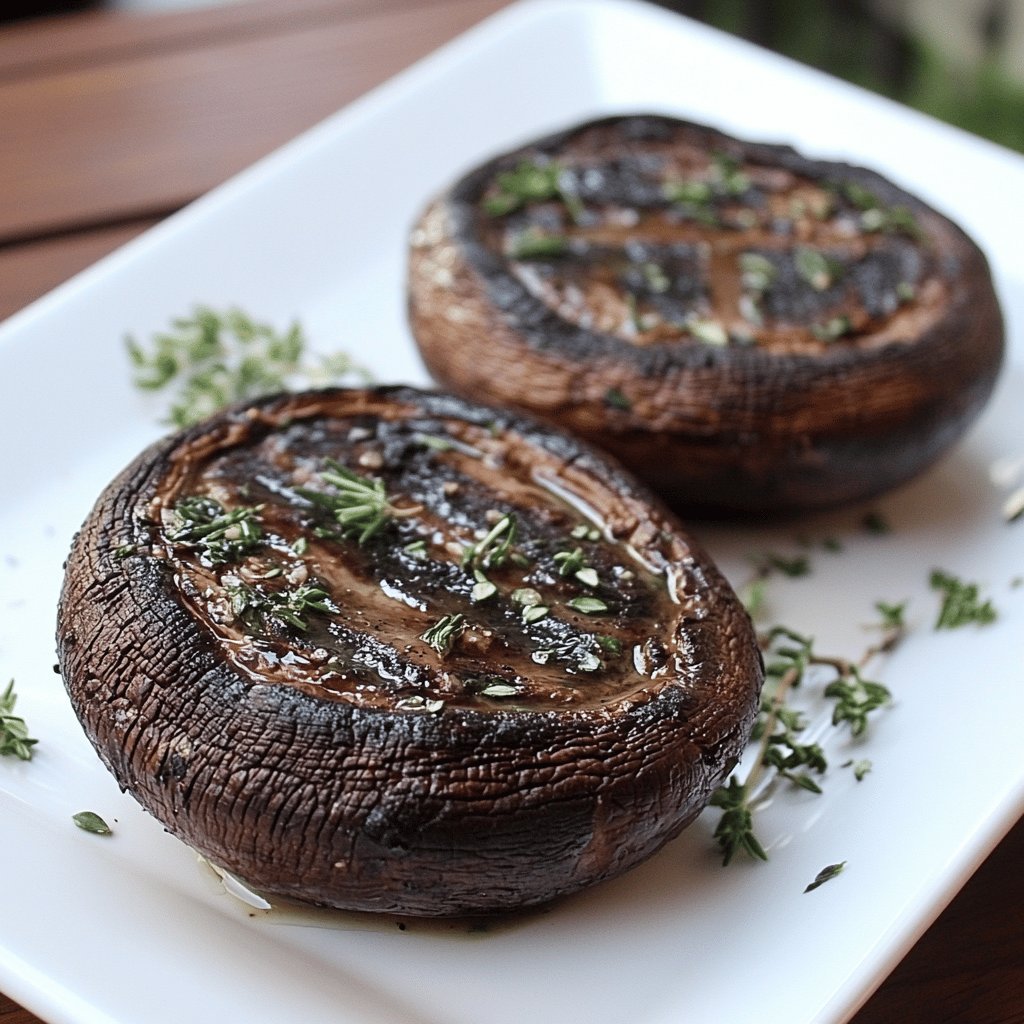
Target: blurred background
{"x": 959, "y": 60}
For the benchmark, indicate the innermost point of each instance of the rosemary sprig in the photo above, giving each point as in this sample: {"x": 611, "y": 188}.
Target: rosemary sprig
{"x": 213, "y": 358}
{"x": 358, "y": 504}
{"x": 14, "y": 738}
{"x": 218, "y": 534}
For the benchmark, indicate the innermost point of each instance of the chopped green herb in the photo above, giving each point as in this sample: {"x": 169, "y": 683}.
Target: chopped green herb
{"x": 212, "y": 359}
{"x": 499, "y": 689}
{"x": 860, "y": 768}
{"x": 91, "y": 822}
{"x": 874, "y": 522}
{"x": 588, "y": 605}
{"x": 826, "y": 874}
{"x": 495, "y": 548}
{"x": 757, "y": 272}
{"x": 483, "y": 589}
{"x": 614, "y": 398}
{"x": 833, "y": 328}
{"x": 656, "y": 278}
{"x": 443, "y": 634}
{"x": 534, "y": 244}
{"x": 855, "y": 698}
{"x": 218, "y": 534}
{"x": 358, "y": 504}
{"x": 288, "y": 607}
{"x": 815, "y": 268}
{"x": 14, "y": 738}
{"x": 770, "y": 561}
{"x": 711, "y": 332}
{"x": 728, "y": 176}
{"x": 527, "y": 596}
{"x": 417, "y": 549}
{"x": 961, "y": 604}
{"x": 876, "y": 216}
{"x": 735, "y": 829}
{"x": 609, "y": 644}
{"x": 534, "y": 613}
{"x": 435, "y": 442}
{"x": 531, "y": 182}
{"x": 892, "y": 614}
{"x": 584, "y": 531}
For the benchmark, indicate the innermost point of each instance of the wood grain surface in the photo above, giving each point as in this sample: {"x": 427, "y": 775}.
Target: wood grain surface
{"x": 111, "y": 121}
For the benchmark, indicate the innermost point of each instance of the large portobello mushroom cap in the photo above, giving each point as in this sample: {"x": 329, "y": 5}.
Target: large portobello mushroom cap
{"x": 385, "y": 650}
{"x": 748, "y": 330}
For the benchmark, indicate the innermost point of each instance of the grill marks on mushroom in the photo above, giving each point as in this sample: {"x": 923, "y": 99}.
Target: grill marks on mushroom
{"x": 556, "y": 620}
{"x": 410, "y": 706}
{"x": 703, "y": 247}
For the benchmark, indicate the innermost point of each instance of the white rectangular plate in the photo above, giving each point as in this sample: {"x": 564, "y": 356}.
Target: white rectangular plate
{"x": 132, "y": 928}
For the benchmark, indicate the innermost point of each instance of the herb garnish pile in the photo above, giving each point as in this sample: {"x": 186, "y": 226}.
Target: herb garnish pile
{"x": 211, "y": 359}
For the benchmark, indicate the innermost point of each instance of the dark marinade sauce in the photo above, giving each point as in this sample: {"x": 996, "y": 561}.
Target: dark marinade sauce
{"x": 549, "y": 613}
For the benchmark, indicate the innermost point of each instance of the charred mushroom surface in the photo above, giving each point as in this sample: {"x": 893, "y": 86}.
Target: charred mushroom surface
{"x": 749, "y": 330}
{"x": 381, "y": 649}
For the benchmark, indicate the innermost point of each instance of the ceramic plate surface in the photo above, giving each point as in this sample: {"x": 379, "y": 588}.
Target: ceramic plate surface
{"x": 133, "y": 928}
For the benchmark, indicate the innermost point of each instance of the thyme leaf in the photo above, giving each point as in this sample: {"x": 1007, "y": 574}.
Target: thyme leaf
{"x": 826, "y": 874}
{"x": 218, "y": 534}
{"x": 90, "y": 821}
{"x": 531, "y": 182}
{"x": 14, "y": 738}
{"x": 961, "y": 603}
{"x": 288, "y": 607}
{"x": 443, "y": 634}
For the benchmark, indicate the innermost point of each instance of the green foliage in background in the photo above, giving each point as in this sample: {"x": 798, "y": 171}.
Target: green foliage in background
{"x": 847, "y": 39}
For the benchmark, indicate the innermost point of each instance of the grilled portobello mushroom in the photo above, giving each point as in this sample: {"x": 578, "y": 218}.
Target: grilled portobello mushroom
{"x": 385, "y": 650}
{"x": 749, "y": 330}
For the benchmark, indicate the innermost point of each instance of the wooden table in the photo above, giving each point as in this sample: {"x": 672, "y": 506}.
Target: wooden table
{"x": 110, "y": 122}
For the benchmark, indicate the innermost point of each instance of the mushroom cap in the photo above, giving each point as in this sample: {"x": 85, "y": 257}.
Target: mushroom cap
{"x": 634, "y": 326}
{"x": 351, "y": 798}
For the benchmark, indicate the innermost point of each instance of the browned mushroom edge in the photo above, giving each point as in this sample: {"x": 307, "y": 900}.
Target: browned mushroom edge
{"x": 345, "y": 760}
{"x": 748, "y": 330}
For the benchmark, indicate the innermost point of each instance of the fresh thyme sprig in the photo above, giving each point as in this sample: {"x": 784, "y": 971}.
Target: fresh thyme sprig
{"x": 218, "y": 534}
{"x": 784, "y": 753}
{"x": 14, "y": 738}
{"x": 358, "y": 504}
{"x": 213, "y": 358}
{"x": 289, "y": 606}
